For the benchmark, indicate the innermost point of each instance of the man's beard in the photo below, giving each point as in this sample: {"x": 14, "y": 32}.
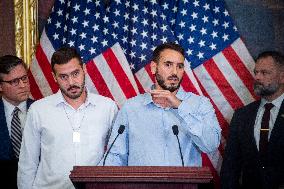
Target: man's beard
{"x": 74, "y": 96}
{"x": 263, "y": 91}
{"x": 162, "y": 83}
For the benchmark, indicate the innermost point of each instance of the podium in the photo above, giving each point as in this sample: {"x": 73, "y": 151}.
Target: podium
{"x": 141, "y": 177}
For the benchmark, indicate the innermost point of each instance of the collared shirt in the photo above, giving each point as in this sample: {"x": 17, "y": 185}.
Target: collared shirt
{"x": 9, "y": 108}
{"x": 148, "y": 139}
{"x": 49, "y": 151}
{"x": 273, "y": 115}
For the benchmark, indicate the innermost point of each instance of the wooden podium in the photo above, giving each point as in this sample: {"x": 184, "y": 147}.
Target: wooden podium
{"x": 140, "y": 177}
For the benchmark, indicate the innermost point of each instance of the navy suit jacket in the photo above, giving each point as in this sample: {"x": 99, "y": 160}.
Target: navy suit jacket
{"x": 241, "y": 163}
{"x": 8, "y": 161}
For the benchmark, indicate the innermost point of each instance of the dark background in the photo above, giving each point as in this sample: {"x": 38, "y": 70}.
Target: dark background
{"x": 260, "y": 23}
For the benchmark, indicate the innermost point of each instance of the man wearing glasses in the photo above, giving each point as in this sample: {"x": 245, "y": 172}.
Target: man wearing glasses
{"x": 15, "y": 90}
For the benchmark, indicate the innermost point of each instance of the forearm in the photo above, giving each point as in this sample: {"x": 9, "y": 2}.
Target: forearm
{"x": 27, "y": 168}
{"x": 201, "y": 124}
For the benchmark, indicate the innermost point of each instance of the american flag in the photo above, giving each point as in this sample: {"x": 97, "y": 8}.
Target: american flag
{"x": 116, "y": 42}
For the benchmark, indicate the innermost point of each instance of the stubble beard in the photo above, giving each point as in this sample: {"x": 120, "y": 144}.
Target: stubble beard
{"x": 264, "y": 91}
{"x": 161, "y": 81}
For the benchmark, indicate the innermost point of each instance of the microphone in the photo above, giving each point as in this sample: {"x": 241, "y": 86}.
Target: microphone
{"x": 175, "y": 131}
{"x": 119, "y": 131}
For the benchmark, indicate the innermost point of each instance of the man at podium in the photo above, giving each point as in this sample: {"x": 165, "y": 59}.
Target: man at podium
{"x": 166, "y": 126}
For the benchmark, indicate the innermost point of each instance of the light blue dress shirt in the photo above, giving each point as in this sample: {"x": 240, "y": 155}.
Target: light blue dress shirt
{"x": 148, "y": 139}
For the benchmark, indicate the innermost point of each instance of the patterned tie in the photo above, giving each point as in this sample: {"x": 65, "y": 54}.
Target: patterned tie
{"x": 16, "y": 132}
{"x": 264, "y": 131}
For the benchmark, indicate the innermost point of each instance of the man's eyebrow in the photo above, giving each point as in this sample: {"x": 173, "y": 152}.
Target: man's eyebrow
{"x": 168, "y": 61}
{"x": 173, "y": 62}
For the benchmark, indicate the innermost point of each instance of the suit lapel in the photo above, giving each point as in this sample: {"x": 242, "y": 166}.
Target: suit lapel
{"x": 29, "y": 102}
{"x": 251, "y": 122}
{"x": 5, "y": 145}
{"x": 6, "y": 151}
{"x": 3, "y": 123}
{"x": 2, "y": 113}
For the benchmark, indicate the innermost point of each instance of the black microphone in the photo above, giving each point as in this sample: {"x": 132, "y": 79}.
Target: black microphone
{"x": 119, "y": 131}
{"x": 175, "y": 131}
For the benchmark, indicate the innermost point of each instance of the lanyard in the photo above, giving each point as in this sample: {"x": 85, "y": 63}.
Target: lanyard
{"x": 76, "y": 130}
{"x": 70, "y": 121}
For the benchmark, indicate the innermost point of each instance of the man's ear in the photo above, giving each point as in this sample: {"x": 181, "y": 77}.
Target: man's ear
{"x": 153, "y": 67}
{"x": 85, "y": 68}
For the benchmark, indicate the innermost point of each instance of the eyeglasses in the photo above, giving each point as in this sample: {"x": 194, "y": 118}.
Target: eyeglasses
{"x": 15, "y": 82}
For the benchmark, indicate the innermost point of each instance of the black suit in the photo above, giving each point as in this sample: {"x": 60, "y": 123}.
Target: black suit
{"x": 241, "y": 161}
{"x": 8, "y": 161}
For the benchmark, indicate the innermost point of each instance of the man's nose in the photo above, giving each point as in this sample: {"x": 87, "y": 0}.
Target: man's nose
{"x": 174, "y": 70}
{"x": 71, "y": 80}
{"x": 257, "y": 76}
{"x": 22, "y": 84}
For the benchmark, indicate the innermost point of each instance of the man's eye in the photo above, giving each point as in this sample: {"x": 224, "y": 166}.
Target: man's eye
{"x": 181, "y": 66}
{"x": 15, "y": 81}
{"x": 63, "y": 77}
{"x": 168, "y": 64}
{"x": 264, "y": 72}
{"x": 76, "y": 73}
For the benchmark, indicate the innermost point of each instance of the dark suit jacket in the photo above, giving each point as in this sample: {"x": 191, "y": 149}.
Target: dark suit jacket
{"x": 241, "y": 161}
{"x": 8, "y": 162}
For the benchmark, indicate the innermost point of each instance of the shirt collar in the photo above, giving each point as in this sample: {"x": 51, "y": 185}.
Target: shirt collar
{"x": 276, "y": 102}
{"x": 181, "y": 94}
{"x": 10, "y": 107}
{"x": 59, "y": 99}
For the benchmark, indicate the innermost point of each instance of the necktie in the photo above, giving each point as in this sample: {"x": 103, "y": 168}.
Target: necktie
{"x": 264, "y": 131}
{"x": 16, "y": 132}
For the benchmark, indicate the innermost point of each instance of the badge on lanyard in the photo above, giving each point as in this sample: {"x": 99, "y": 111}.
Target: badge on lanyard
{"x": 76, "y": 136}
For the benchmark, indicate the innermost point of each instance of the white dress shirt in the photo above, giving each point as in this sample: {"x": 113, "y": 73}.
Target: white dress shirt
{"x": 49, "y": 151}
{"x": 273, "y": 115}
{"x": 9, "y": 108}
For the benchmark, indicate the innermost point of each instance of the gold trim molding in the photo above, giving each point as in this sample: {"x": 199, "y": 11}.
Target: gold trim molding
{"x": 26, "y": 28}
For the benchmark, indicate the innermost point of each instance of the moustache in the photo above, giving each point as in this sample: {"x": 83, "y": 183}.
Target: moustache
{"x": 73, "y": 87}
{"x": 173, "y": 77}
{"x": 256, "y": 83}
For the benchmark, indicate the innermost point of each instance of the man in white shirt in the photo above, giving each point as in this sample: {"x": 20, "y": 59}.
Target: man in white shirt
{"x": 65, "y": 129}
{"x": 255, "y": 147}
{"x": 15, "y": 90}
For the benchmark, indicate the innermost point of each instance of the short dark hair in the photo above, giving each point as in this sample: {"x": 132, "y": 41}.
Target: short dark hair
{"x": 276, "y": 56}
{"x": 9, "y": 62}
{"x": 63, "y": 55}
{"x": 169, "y": 45}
